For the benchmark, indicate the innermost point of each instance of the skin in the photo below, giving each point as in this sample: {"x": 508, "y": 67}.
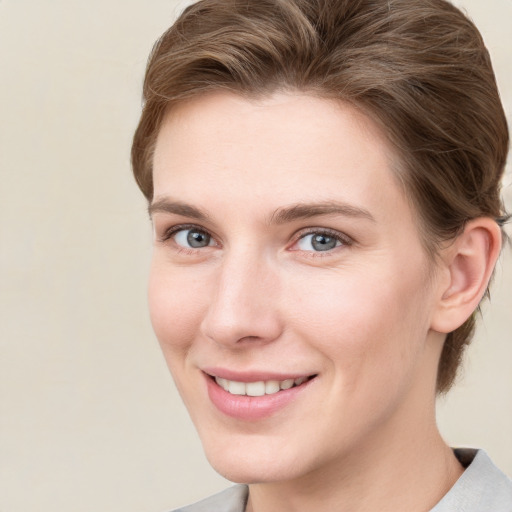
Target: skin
{"x": 367, "y": 317}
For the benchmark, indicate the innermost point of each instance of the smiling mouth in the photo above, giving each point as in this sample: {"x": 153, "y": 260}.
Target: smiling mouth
{"x": 259, "y": 388}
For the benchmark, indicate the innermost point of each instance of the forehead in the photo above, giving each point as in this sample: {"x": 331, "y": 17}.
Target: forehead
{"x": 285, "y": 148}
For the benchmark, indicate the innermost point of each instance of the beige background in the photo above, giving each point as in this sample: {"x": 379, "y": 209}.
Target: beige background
{"x": 89, "y": 419}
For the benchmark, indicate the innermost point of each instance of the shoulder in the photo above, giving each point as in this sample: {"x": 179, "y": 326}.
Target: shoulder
{"x": 233, "y": 499}
{"x": 481, "y": 488}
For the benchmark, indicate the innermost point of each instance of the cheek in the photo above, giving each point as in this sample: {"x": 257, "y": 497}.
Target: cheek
{"x": 176, "y": 305}
{"x": 364, "y": 321}
{"x": 372, "y": 339}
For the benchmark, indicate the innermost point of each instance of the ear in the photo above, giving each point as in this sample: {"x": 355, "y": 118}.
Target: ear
{"x": 467, "y": 264}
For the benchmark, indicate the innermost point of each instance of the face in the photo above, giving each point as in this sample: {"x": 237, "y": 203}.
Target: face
{"x": 289, "y": 288}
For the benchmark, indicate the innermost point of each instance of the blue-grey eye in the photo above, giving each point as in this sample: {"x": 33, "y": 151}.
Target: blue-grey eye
{"x": 318, "y": 242}
{"x": 193, "y": 238}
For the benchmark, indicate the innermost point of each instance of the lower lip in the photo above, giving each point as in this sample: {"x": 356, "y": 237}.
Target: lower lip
{"x": 251, "y": 408}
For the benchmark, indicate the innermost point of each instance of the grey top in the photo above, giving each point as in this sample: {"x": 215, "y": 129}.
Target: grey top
{"x": 481, "y": 488}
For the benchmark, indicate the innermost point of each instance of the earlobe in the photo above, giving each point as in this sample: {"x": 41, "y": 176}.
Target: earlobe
{"x": 469, "y": 262}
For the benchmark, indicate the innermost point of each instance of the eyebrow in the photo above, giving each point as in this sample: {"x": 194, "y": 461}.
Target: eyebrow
{"x": 282, "y": 215}
{"x": 165, "y": 205}
{"x": 306, "y": 210}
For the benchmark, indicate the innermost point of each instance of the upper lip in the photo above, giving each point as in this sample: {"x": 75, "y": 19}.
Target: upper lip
{"x": 253, "y": 376}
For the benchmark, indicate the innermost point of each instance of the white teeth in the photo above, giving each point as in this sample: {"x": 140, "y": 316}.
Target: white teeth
{"x": 236, "y": 388}
{"x": 258, "y": 388}
{"x": 255, "y": 388}
{"x": 286, "y": 384}
{"x": 223, "y": 383}
{"x": 271, "y": 387}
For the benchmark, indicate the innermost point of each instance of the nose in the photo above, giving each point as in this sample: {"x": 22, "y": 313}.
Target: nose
{"x": 245, "y": 303}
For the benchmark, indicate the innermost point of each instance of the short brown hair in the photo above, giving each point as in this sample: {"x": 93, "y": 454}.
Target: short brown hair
{"x": 418, "y": 68}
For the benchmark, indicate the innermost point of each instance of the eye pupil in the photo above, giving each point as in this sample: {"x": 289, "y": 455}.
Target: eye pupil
{"x": 198, "y": 239}
{"x": 323, "y": 242}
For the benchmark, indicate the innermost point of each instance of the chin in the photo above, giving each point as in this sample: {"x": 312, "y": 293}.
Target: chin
{"x": 254, "y": 460}
{"x": 253, "y": 471}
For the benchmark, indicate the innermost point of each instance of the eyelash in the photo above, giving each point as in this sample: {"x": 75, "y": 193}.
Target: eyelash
{"x": 345, "y": 240}
{"x": 169, "y": 233}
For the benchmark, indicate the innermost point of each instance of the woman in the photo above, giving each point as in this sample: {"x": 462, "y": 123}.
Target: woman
{"x": 323, "y": 180}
